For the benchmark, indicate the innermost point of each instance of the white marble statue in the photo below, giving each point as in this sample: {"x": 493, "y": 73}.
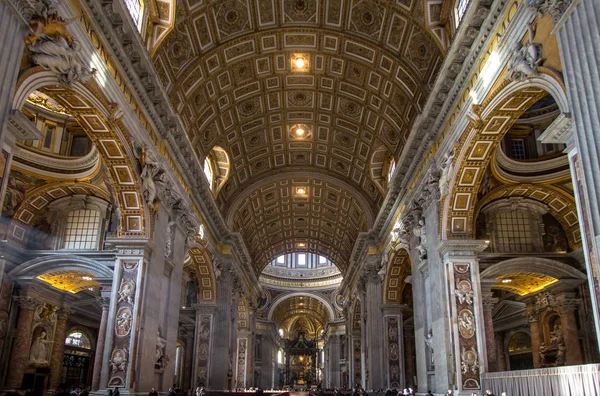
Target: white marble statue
{"x": 39, "y": 349}
{"x": 525, "y": 58}
{"x": 52, "y": 47}
{"x": 447, "y": 166}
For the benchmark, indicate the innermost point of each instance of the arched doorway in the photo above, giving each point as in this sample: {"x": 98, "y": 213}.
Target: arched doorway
{"x": 78, "y": 358}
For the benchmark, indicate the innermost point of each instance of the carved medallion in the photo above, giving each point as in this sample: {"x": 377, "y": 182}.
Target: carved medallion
{"x": 466, "y": 323}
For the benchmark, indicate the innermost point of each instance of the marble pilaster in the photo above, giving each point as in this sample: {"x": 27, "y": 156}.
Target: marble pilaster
{"x": 468, "y": 331}
{"x": 372, "y": 291}
{"x": 394, "y": 359}
{"x": 14, "y": 27}
{"x": 58, "y": 350}
{"x": 119, "y": 357}
{"x": 223, "y": 333}
{"x": 104, "y": 303}
{"x": 203, "y": 340}
{"x": 578, "y": 31}
{"x": 21, "y": 345}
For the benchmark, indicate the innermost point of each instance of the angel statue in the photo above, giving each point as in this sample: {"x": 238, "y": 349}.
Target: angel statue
{"x": 525, "y": 59}
{"x": 52, "y": 47}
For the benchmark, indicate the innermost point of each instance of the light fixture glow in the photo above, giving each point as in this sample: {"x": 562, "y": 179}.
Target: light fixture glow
{"x": 300, "y": 62}
{"x": 301, "y": 190}
{"x": 299, "y": 131}
{"x": 87, "y": 278}
{"x": 301, "y": 244}
{"x": 506, "y": 280}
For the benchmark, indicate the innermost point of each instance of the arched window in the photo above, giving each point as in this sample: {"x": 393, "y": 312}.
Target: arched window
{"x": 135, "y": 10}
{"x": 391, "y": 170}
{"x": 208, "y": 172}
{"x": 78, "y": 340}
{"x": 461, "y": 9}
{"x": 79, "y": 222}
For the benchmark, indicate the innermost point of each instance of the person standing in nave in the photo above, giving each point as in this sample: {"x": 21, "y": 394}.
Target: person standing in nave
{"x": 116, "y": 392}
{"x": 489, "y": 393}
{"x": 449, "y": 393}
{"x": 153, "y": 392}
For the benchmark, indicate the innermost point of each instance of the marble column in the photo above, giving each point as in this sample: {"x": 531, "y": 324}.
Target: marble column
{"x": 488, "y": 321}
{"x": 373, "y": 347}
{"x": 578, "y": 32}
{"x": 570, "y": 331}
{"x": 468, "y": 330}
{"x": 104, "y": 303}
{"x": 500, "y": 353}
{"x": 58, "y": 350}
{"x": 21, "y": 345}
{"x": 536, "y": 337}
{"x": 188, "y": 360}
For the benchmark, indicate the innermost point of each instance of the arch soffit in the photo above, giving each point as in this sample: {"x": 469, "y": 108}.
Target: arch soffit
{"x": 37, "y": 200}
{"x": 560, "y": 204}
{"x": 325, "y": 302}
{"x": 493, "y": 118}
{"x": 236, "y": 76}
{"x": 539, "y": 265}
{"x": 260, "y": 213}
{"x": 207, "y": 290}
{"x": 399, "y": 268}
{"x": 67, "y": 262}
{"x": 96, "y": 116}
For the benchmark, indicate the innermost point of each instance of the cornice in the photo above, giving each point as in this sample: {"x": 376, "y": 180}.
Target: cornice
{"x": 119, "y": 31}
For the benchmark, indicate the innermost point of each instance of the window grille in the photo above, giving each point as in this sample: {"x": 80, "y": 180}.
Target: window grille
{"x": 81, "y": 231}
{"x": 514, "y": 232}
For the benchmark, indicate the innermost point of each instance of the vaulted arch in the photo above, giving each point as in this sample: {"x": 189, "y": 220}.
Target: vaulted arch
{"x": 490, "y": 122}
{"x": 101, "y": 121}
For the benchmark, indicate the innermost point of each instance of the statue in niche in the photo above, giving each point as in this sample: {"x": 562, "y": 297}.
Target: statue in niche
{"x": 542, "y": 353}
{"x": 160, "y": 355}
{"x": 169, "y": 241}
{"x": 525, "y": 58}
{"x": 429, "y": 343}
{"x": 556, "y": 335}
{"x": 53, "y": 48}
{"x": 419, "y": 231}
{"x": 39, "y": 349}
{"x": 560, "y": 355}
{"x": 447, "y": 166}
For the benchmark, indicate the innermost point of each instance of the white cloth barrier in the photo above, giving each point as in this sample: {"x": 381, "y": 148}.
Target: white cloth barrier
{"x": 556, "y": 381}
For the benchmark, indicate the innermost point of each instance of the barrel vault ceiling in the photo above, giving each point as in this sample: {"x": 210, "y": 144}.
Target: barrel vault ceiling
{"x": 228, "y": 67}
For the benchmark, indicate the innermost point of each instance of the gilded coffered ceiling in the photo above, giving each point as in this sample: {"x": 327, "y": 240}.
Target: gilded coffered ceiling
{"x": 293, "y": 312}
{"x": 229, "y": 69}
